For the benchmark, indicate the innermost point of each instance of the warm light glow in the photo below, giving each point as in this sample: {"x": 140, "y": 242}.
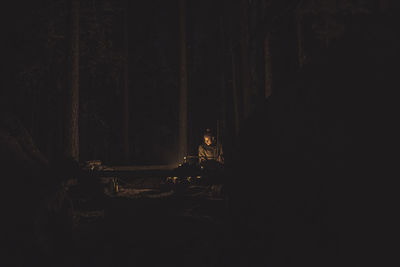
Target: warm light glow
{"x": 207, "y": 140}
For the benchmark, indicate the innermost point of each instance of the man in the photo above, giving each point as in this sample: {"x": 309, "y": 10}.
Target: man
{"x": 210, "y": 152}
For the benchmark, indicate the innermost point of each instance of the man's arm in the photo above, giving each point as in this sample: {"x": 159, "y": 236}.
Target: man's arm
{"x": 202, "y": 154}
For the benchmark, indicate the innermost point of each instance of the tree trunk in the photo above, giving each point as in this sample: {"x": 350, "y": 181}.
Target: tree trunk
{"x": 327, "y": 30}
{"x": 72, "y": 101}
{"x": 125, "y": 96}
{"x": 235, "y": 95}
{"x": 182, "y": 83}
{"x": 33, "y": 113}
{"x": 267, "y": 62}
{"x": 300, "y": 39}
{"x": 222, "y": 70}
{"x": 244, "y": 45}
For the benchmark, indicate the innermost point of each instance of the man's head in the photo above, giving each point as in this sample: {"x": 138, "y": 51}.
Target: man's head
{"x": 208, "y": 137}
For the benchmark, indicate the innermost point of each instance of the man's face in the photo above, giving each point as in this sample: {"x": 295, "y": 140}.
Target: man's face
{"x": 207, "y": 140}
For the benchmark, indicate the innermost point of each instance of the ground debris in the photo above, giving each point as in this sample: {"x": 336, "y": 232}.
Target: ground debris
{"x": 146, "y": 218}
{"x": 93, "y": 165}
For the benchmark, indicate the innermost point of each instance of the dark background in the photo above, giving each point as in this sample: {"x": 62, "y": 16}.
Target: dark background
{"x": 304, "y": 93}
{"x": 35, "y": 74}
{"x": 35, "y": 51}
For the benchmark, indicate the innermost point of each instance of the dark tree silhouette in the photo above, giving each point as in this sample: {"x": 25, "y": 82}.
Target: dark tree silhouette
{"x": 244, "y": 56}
{"x": 72, "y": 100}
{"x": 183, "y": 83}
{"x": 125, "y": 130}
{"x": 267, "y": 65}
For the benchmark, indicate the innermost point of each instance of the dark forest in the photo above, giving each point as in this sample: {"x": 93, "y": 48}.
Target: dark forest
{"x": 105, "y": 104}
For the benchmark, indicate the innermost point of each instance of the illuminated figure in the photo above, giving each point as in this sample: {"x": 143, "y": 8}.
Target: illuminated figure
{"x": 210, "y": 152}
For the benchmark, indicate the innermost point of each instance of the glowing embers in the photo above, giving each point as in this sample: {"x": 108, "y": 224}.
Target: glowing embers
{"x": 173, "y": 179}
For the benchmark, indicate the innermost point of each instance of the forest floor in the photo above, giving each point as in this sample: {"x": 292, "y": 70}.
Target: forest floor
{"x": 149, "y": 222}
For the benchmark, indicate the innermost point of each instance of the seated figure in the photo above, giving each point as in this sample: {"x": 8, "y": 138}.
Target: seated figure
{"x": 210, "y": 153}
